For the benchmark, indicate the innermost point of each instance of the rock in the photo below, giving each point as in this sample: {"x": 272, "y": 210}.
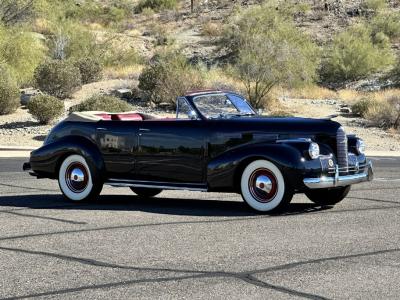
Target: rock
{"x": 27, "y": 94}
{"x": 345, "y": 110}
{"x": 123, "y": 93}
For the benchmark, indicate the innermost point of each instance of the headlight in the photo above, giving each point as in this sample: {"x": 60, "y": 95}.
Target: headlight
{"x": 360, "y": 146}
{"x": 313, "y": 150}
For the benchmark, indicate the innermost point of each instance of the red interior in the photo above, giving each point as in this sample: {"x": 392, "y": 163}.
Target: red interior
{"x": 126, "y": 117}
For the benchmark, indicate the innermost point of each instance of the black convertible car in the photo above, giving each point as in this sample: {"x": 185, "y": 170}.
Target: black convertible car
{"x": 216, "y": 143}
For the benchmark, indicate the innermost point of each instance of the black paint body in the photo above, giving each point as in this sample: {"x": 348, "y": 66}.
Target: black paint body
{"x": 205, "y": 153}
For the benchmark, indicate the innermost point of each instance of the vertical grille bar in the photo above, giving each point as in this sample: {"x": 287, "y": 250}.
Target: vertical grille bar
{"x": 341, "y": 142}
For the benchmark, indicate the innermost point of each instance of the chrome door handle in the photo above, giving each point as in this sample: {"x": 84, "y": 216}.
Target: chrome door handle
{"x": 144, "y": 129}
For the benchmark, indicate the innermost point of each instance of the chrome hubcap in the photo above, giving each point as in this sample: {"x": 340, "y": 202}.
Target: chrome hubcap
{"x": 263, "y": 185}
{"x": 76, "y": 177}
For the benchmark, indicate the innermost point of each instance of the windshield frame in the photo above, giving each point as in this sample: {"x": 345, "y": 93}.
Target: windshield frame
{"x": 226, "y": 94}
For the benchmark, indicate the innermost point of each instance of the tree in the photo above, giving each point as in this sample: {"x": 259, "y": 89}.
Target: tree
{"x": 355, "y": 54}
{"x": 268, "y": 50}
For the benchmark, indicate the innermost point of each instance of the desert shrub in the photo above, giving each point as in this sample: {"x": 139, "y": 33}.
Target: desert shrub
{"x": 168, "y": 77}
{"x": 148, "y": 12}
{"x": 395, "y": 73}
{"x": 353, "y": 55}
{"x": 211, "y": 29}
{"x": 13, "y": 12}
{"x": 58, "y": 78}
{"x": 45, "y": 108}
{"x": 71, "y": 41}
{"x": 89, "y": 68}
{"x": 375, "y": 5}
{"x": 121, "y": 56}
{"x": 156, "y": 5}
{"x": 102, "y": 103}
{"x": 22, "y": 52}
{"x": 9, "y": 93}
{"x": 387, "y": 23}
{"x": 269, "y": 50}
{"x": 364, "y": 105}
{"x": 386, "y": 114}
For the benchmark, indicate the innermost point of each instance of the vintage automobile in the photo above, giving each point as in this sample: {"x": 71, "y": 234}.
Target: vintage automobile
{"x": 216, "y": 143}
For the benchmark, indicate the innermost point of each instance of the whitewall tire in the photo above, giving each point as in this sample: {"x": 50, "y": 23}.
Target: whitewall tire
{"x": 76, "y": 179}
{"x": 263, "y": 186}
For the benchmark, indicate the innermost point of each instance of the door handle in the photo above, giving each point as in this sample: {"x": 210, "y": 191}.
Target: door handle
{"x": 144, "y": 129}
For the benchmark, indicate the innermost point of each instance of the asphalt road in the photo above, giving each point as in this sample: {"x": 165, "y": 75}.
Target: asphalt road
{"x": 197, "y": 245}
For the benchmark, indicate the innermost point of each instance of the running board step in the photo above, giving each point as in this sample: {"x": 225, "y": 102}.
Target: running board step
{"x": 156, "y": 185}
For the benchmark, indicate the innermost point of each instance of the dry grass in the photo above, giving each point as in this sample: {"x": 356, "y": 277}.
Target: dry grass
{"x": 211, "y": 29}
{"x": 349, "y": 96}
{"x": 218, "y": 79}
{"x": 124, "y": 72}
{"x": 309, "y": 92}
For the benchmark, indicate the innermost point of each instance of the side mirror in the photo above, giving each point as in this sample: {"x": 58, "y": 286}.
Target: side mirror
{"x": 192, "y": 115}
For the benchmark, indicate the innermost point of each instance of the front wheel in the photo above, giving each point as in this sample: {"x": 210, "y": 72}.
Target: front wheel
{"x": 264, "y": 188}
{"x": 77, "y": 181}
{"x": 146, "y": 192}
{"x": 328, "y": 196}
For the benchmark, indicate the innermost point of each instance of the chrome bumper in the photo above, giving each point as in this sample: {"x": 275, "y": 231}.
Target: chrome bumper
{"x": 336, "y": 181}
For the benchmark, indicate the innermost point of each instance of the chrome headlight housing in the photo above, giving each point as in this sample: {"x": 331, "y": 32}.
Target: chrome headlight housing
{"x": 360, "y": 146}
{"x": 313, "y": 150}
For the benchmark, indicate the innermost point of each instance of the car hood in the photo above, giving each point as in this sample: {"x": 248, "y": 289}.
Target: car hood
{"x": 305, "y": 127}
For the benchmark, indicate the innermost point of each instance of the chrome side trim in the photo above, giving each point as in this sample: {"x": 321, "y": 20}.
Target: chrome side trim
{"x": 295, "y": 140}
{"x": 158, "y": 185}
{"x": 336, "y": 181}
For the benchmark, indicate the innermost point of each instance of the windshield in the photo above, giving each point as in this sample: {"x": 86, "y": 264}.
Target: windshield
{"x": 222, "y": 106}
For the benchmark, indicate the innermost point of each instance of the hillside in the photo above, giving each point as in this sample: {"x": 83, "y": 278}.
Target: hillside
{"x": 301, "y": 51}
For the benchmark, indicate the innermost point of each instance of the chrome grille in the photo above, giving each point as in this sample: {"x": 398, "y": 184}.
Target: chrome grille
{"x": 341, "y": 142}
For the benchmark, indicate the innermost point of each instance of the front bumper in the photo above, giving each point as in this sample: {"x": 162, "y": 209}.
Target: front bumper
{"x": 337, "y": 181}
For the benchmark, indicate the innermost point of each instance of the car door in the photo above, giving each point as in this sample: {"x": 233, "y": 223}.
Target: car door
{"x": 171, "y": 151}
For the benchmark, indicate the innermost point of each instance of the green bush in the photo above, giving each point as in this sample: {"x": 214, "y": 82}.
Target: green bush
{"x": 156, "y": 5}
{"x": 121, "y": 56}
{"x": 268, "y": 50}
{"x": 102, "y": 103}
{"x": 9, "y": 93}
{"x": 89, "y": 68}
{"x": 395, "y": 73}
{"x": 388, "y": 23}
{"x": 45, "y": 108}
{"x": 72, "y": 41}
{"x": 58, "y": 78}
{"x": 21, "y": 52}
{"x": 375, "y": 5}
{"x": 169, "y": 77}
{"x": 354, "y": 55}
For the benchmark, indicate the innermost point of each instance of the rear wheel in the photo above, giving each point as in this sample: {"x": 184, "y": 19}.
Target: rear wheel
{"x": 328, "y": 196}
{"x": 263, "y": 186}
{"x": 77, "y": 181}
{"x": 146, "y": 192}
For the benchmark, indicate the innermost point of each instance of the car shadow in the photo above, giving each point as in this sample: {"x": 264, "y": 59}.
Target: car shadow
{"x": 169, "y": 206}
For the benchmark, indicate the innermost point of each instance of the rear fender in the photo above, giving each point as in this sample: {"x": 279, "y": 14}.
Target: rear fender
{"x": 46, "y": 160}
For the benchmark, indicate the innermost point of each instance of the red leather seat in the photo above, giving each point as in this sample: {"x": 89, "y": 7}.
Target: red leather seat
{"x": 104, "y": 116}
{"x": 127, "y": 117}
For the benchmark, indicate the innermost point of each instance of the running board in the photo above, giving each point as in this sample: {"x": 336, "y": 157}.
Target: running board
{"x": 156, "y": 185}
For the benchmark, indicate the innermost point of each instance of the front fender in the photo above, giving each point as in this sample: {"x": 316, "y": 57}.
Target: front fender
{"x": 224, "y": 171}
{"x": 45, "y": 161}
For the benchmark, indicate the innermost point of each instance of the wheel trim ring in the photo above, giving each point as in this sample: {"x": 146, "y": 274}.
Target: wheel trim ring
{"x": 75, "y": 186}
{"x": 257, "y": 194}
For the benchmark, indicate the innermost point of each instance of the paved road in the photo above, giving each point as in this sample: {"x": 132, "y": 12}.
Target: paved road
{"x": 197, "y": 245}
